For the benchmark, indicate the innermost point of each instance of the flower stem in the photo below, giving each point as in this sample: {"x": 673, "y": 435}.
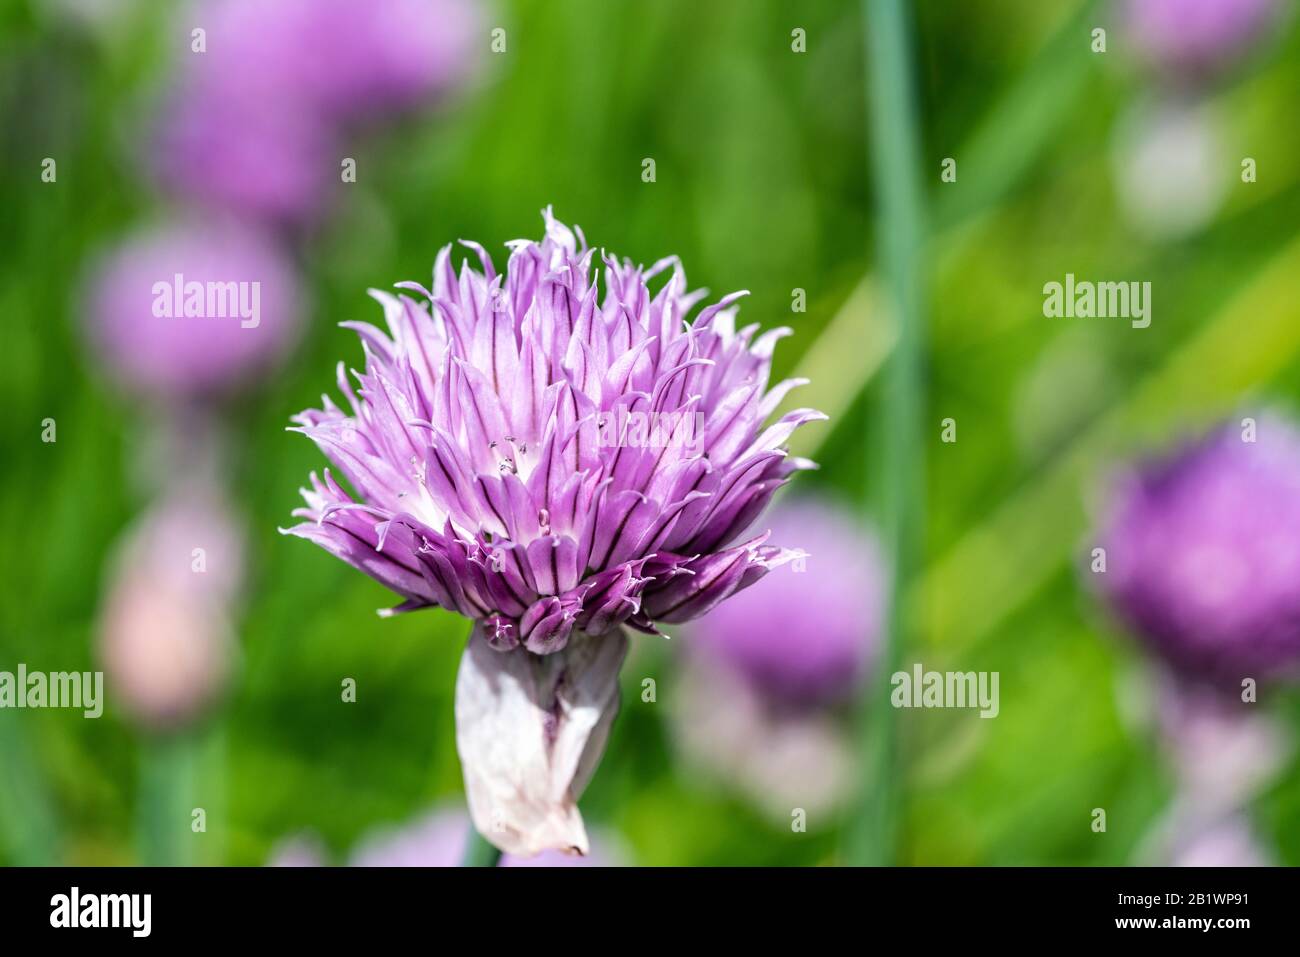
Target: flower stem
{"x": 29, "y": 830}
{"x": 900, "y": 238}
{"x": 479, "y": 852}
{"x": 168, "y": 765}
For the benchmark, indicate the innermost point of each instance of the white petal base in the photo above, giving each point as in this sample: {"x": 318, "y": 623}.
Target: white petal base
{"x": 530, "y": 730}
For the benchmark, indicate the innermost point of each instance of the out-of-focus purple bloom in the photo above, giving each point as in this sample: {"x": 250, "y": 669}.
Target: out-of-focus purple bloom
{"x": 1223, "y": 751}
{"x": 731, "y": 731}
{"x": 256, "y": 117}
{"x": 764, "y": 669}
{"x": 165, "y": 633}
{"x": 140, "y": 316}
{"x": 809, "y": 634}
{"x": 435, "y": 840}
{"x": 552, "y": 463}
{"x": 260, "y": 158}
{"x": 1193, "y": 36}
{"x": 339, "y": 59}
{"x": 1203, "y": 553}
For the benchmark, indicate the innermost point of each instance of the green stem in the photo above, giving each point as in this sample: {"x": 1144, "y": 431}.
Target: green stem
{"x": 478, "y": 851}
{"x": 164, "y": 825}
{"x": 29, "y": 832}
{"x": 900, "y": 233}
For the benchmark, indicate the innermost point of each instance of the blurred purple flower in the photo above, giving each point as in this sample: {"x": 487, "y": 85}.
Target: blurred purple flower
{"x": 728, "y": 729}
{"x": 165, "y": 632}
{"x": 435, "y": 840}
{"x": 339, "y": 59}
{"x": 809, "y": 634}
{"x": 177, "y": 356}
{"x": 257, "y": 116}
{"x": 261, "y": 159}
{"x": 1203, "y": 554}
{"x": 1194, "y": 36}
{"x": 766, "y": 669}
{"x": 1223, "y": 752}
{"x": 552, "y": 466}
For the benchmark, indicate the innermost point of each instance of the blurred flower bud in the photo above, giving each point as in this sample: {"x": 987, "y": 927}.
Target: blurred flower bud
{"x": 165, "y": 632}
{"x": 256, "y": 118}
{"x": 338, "y": 59}
{"x": 807, "y": 633}
{"x": 1170, "y": 172}
{"x": 261, "y": 159}
{"x": 1223, "y": 751}
{"x": 766, "y": 669}
{"x": 727, "y": 731}
{"x": 1191, "y": 37}
{"x": 188, "y": 311}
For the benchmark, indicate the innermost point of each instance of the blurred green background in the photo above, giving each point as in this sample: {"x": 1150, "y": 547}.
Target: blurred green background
{"x": 763, "y": 182}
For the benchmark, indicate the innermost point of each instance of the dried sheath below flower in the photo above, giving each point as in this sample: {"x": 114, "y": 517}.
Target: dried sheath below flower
{"x": 530, "y": 730}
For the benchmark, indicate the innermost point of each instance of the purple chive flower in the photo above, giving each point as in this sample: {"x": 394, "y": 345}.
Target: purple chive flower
{"x": 1196, "y": 36}
{"x": 820, "y": 656}
{"x": 554, "y": 463}
{"x": 238, "y": 289}
{"x": 1203, "y": 553}
{"x": 257, "y": 117}
{"x": 495, "y": 446}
